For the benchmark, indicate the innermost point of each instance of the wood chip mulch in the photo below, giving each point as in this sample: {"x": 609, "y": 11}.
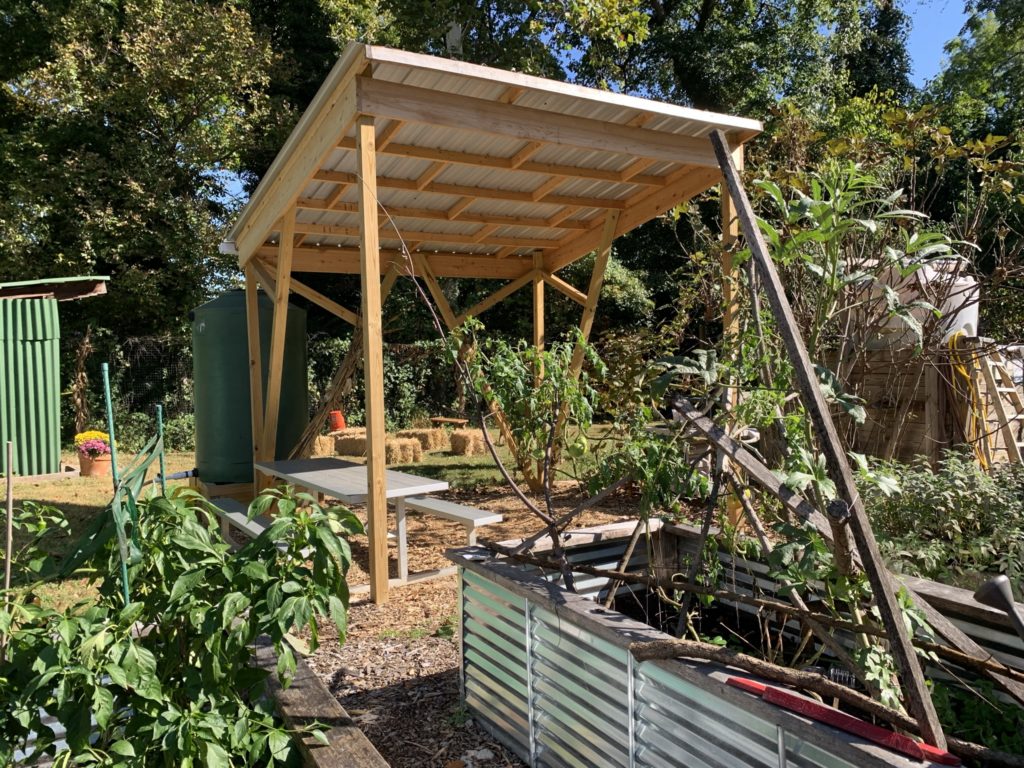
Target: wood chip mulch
{"x": 398, "y": 672}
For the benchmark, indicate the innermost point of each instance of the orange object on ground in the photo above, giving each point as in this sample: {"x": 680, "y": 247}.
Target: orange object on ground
{"x": 336, "y": 420}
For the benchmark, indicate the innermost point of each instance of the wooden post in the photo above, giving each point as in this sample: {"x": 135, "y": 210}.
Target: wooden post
{"x": 282, "y": 281}
{"x": 538, "y": 300}
{"x": 919, "y": 702}
{"x": 594, "y": 291}
{"x": 731, "y": 309}
{"x": 252, "y": 325}
{"x": 373, "y": 360}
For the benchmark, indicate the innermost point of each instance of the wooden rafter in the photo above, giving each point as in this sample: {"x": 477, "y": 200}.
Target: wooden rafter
{"x": 386, "y": 136}
{"x": 345, "y": 261}
{"x": 641, "y": 208}
{"x": 484, "y": 236}
{"x": 422, "y": 105}
{"x": 520, "y": 162}
{"x": 434, "y": 214}
{"x": 462, "y": 190}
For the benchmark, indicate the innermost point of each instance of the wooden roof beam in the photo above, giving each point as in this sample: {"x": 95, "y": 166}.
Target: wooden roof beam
{"x": 405, "y": 102}
{"x": 459, "y": 190}
{"x": 432, "y": 214}
{"x": 386, "y": 136}
{"x": 484, "y": 236}
{"x": 640, "y": 208}
{"x": 520, "y": 161}
{"x": 345, "y": 261}
{"x": 456, "y": 210}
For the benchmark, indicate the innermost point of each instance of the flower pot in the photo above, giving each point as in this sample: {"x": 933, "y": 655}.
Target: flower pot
{"x": 94, "y": 466}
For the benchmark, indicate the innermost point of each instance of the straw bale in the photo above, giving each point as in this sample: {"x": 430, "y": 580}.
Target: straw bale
{"x": 467, "y": 442}
{"x": 402, "y": 450}
{"x": 351, "y": 445}
{"x": 430, "y": 439}
{"x": 323, "y": 446}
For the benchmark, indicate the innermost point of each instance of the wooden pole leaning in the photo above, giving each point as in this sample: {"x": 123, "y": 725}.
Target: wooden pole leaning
{"x": 373, "y": 360}
{"x": 919, "y": 702}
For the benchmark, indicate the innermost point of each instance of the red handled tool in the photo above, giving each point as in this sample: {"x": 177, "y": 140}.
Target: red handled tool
{"x": 831, "y": 716}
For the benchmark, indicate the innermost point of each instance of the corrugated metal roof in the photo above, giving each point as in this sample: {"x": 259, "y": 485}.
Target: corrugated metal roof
{"x": 478, "y": 161}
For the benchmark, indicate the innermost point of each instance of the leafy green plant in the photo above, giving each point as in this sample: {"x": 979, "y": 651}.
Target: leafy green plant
{"x": 953, "y": 523}
{"x": 168, "y": 679}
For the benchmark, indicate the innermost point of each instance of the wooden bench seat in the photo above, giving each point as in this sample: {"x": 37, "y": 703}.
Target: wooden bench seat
{"x": 470, "y": 517}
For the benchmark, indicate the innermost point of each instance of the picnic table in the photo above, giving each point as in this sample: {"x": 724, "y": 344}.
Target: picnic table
{"x": 347, "y": 482}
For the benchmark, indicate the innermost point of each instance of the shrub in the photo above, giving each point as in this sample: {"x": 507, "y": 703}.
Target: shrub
{"x": 946, "y": 524}
{"x": 168, "y": 679}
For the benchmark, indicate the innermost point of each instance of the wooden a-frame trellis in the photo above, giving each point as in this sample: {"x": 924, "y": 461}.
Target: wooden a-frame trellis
{"x": 406, "y": 164}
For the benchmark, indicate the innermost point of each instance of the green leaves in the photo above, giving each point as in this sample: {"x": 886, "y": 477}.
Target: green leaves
{"x": 169, "y": 694}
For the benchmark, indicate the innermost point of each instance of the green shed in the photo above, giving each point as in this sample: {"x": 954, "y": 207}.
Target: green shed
{"x": 30, "y": 369}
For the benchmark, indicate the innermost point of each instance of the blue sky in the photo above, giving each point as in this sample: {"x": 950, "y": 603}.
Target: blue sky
{"x": 934, "y": 23}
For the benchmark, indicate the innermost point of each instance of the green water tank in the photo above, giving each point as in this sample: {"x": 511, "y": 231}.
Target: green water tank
{"x": 30, "y": 385}
{"x": 220, "y": 355}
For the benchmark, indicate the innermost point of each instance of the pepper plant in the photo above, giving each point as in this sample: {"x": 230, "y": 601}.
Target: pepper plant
{"x": 169, "y": 679}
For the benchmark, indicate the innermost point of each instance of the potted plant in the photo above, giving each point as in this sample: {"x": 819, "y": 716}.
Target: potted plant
{"x": 93, "y": 453}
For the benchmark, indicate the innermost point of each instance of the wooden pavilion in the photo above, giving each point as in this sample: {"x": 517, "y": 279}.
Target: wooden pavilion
{"x": 406, "y": 164}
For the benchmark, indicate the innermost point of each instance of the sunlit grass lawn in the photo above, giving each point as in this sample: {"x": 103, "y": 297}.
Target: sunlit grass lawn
{"x": 81, "y": 499}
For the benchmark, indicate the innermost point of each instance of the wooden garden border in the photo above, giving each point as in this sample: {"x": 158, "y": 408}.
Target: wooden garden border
{"x": 307, "y": 701}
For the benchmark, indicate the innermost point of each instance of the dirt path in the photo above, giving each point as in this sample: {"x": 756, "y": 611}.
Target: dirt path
{"x": 397, "y": 674}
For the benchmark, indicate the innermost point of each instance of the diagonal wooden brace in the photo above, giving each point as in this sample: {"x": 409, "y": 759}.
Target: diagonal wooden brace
{"x": 919, "y": 702}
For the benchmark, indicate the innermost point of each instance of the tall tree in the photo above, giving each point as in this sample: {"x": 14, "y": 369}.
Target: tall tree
{"x": 118, "y": 133}
{"x": 881, "y": 60}
{"x": 981, "y": 90}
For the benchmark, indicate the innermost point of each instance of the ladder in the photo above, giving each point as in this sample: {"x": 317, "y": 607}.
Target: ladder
{"x": 1006, "y": 398}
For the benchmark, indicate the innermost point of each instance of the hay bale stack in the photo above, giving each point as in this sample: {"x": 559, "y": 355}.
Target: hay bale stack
{"x": 467, "y": 442}
{"x": 429, "y": 439}
{"x": 402, "y": 450}
{"x": 350, "y": 442}
{"x": 324, "y": 446}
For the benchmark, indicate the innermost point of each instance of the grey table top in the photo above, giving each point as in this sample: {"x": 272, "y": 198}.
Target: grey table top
{"x": 346, "y": 480}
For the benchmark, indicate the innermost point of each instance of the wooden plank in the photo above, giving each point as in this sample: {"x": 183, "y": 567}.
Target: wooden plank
{"x": 730, "y": 277}
{"x": 307, "y": 702}
{"x": 430, "y": 174}
{"x": 918, "y": 699}
{"x": 345, "y": 261}
{"x": 456, "y": 212}
{"x": 639, "y": 209}
{"x": 594, "y": 291}
{"x": 330, "y": 305}
{"x": 520, "y": 162}
{"x": 386, "y": 136}
{"x": 565, "y": 288}
{"x": 484, "y": 236}
{"x": 498, "y": 296}
{"x": 325, "y": 120}
{"x": 275, "y": 362}
{"x": 463, "y": 190}
{"x": 424, "y": 273}
{"x": 405, "y": 102}
{"x": 252, "y": 328}
{"x": 538, "y": 302}
{"x": 373, "y": 360}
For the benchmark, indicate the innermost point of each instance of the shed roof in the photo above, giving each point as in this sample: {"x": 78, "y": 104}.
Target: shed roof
{"x": 477, "y": 169}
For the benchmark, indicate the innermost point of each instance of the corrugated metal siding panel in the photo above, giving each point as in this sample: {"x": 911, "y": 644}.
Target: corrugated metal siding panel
{"x": 679, "y": 723}
{"x": 495, "y": 660}
{"x": 30, "y": 385}
{"x": 581, "y": 694}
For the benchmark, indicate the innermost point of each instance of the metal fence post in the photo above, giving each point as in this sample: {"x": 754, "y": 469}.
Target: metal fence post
{"x": 529, "y": 685}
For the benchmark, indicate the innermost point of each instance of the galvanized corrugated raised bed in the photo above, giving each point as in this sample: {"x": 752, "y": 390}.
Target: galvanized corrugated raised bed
{"x": 549, "y": 674}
